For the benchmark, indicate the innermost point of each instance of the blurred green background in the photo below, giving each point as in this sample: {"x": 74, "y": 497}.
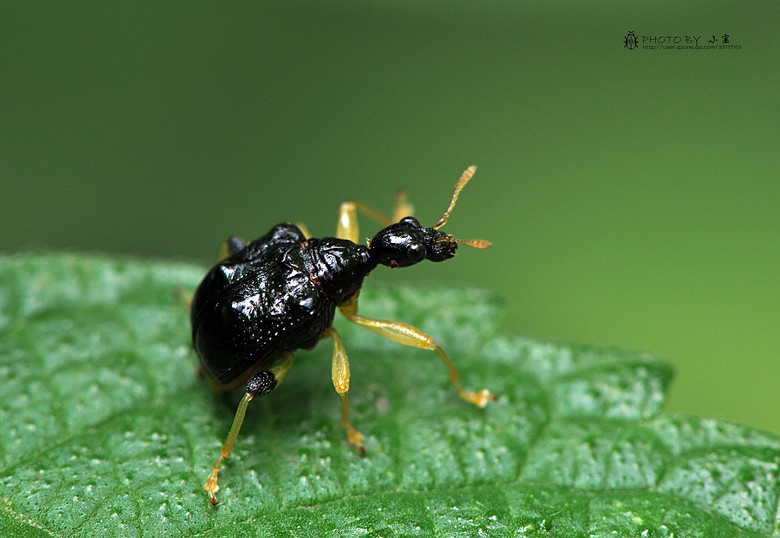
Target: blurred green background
{"x": 631, "y": 195}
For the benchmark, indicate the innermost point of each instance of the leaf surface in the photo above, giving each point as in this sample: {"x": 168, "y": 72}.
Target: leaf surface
{"x": 107, "y": 429}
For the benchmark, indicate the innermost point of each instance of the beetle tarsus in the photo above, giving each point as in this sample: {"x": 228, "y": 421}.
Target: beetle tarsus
{"x": 212, "y": 486}
{"x": 480, "y": 398}
{"x": 212, "y": 482}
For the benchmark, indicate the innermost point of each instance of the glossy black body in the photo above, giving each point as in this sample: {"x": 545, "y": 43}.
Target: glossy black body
{"x": 279, "y": 293}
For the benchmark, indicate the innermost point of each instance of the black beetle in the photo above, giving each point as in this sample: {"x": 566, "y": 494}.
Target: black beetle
{"x": 279, "y": 293}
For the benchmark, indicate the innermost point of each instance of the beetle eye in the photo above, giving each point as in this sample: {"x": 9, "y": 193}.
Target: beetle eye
{"x": 415, "y": 252}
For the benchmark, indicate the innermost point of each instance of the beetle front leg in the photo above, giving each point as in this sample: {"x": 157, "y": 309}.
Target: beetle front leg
{"x": 261, "y": 384}
{"x": 402, "y": 208}
{"x": 347, "y": 227}
{"x": 408, "y": 335}
{"x": 348, "y": 223}
{"x": 340, "y": 375}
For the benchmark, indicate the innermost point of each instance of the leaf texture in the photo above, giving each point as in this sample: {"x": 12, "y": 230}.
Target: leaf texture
{"x": 108, "y": 430}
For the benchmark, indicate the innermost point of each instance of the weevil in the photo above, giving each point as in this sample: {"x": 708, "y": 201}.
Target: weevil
{"x": 269, "y": 297}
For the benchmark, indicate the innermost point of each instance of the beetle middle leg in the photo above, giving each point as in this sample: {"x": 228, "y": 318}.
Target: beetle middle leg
{"x": 408, "y": 335}
{"x": 340, "y": 375}
{"x": 261, "y": 384}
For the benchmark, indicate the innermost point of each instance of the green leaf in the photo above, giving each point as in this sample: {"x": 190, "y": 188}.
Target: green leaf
{"x": 107, "y": 429}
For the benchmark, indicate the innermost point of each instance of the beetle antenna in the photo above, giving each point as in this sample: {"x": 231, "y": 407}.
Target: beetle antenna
{"x": 476, "y": 243}
{"x": 464, "y": 178}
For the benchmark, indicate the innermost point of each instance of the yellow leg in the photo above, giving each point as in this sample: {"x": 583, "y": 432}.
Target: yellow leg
{"x": 340, "y": 374}
{"x": 304, "y": 229}
{"x": 402, "y": 207}
{"x": 348, "y": 224}
{"x": 261, "y": 384}
{"x": 408, "y": 335}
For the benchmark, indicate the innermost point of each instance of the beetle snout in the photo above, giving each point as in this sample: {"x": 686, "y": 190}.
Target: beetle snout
{"x": 442, "y": 248}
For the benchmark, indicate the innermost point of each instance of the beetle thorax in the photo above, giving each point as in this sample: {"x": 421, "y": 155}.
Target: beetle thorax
{"x": 337, "y": 266}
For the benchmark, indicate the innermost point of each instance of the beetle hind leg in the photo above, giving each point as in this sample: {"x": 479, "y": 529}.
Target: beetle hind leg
{"x": 261, "y": 384}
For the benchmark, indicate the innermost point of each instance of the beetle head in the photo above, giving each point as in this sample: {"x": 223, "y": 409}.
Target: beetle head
{"x": 407, "y": 242}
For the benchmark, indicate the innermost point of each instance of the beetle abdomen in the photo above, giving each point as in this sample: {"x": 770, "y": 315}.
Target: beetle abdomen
{"x": 243, "y": 327}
